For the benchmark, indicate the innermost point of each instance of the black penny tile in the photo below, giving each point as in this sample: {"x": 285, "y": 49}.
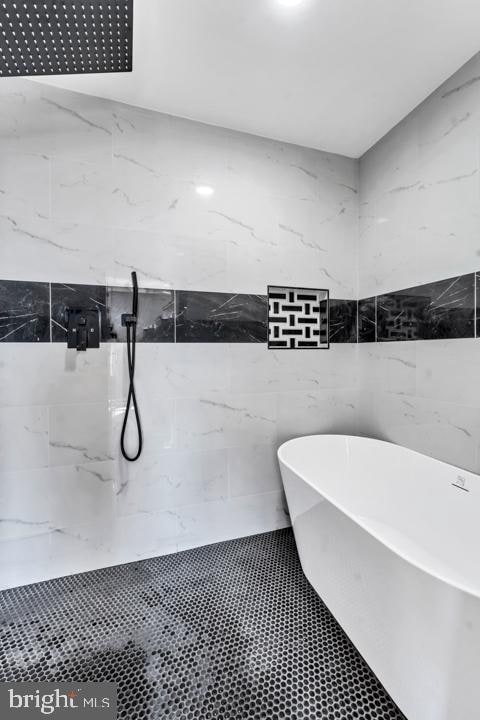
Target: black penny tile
{"x": 220, "y": 317}
{"x": 367, "y": 322}
{"x": 24, "y": 311}
{"x": 435, "y": 311}
{"x": 343, "y": 321}
{"x": 156, "y": 315}
{"x": 231, "y": 631}
{"x": 77, "y": 296}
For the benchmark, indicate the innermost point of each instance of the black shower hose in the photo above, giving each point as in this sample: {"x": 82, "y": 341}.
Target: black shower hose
{"x": 131, "y": 328}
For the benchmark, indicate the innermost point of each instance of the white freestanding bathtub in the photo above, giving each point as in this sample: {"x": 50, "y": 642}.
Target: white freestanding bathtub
{"x": 390, "y": 540}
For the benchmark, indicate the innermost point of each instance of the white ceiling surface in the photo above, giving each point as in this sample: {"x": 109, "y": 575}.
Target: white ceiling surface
{"x": 330, "y": 74}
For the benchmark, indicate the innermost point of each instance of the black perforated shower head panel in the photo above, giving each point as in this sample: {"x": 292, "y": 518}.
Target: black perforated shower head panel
{"x": 65, "y": 37}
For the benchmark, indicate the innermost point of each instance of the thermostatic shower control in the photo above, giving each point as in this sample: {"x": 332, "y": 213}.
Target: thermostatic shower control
{"x": 83, "y": 328}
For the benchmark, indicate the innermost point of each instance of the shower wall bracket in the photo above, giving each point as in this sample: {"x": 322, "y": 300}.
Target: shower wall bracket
{"x": 83, "y": 328}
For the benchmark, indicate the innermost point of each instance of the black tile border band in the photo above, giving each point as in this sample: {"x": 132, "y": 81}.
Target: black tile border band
{"x": 35, "y": 312}
{"x": 444, "y": 309}
{"x": 440, "y": 310}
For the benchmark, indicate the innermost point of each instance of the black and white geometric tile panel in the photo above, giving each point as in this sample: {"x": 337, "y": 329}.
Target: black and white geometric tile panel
{"x": 297, "y": 318}
{"x": 231, "y": 631}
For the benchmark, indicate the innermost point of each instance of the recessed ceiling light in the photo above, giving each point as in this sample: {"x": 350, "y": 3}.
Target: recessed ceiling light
{"x": 290, "y": 3}
{"x": 204, "y": 190}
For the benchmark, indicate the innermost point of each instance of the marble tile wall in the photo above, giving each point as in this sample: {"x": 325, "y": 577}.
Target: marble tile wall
{"x": 419, "y": 226}
{"x": 89, "y": 191}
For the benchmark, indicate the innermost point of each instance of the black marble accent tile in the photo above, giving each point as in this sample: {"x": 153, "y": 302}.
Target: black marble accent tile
{"x": 156, "y": 314}
{"x": 477, "y": 309}
{"x": 24, "y": 311}
{"x": 220, "y": 317}
{"x": 367, "y": 321}
{"x": 343, "y": 321}
{"x": 77, "y": 296}
{"x": 438, "y": 310}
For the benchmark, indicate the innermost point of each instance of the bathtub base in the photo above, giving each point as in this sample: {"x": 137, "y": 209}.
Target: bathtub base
{"x": 420, "y": 636}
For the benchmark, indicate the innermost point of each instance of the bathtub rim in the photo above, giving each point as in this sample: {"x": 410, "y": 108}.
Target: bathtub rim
{"x": 407, "y": 557}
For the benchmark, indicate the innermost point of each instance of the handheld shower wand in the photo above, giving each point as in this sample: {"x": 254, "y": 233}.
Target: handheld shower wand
{"x": 129, "y": 321}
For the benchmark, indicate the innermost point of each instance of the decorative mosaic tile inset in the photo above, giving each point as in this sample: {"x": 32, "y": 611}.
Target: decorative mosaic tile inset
{"x": 231, "y": 631}
{"x": 297, "y": 318}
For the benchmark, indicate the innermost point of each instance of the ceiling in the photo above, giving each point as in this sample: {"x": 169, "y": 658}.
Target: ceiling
{"x": 329, "y": 74}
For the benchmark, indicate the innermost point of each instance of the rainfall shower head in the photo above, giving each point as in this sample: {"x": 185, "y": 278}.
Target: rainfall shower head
{"x": 65, "y": 37}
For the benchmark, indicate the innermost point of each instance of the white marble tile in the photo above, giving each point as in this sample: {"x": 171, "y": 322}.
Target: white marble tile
{"x": 388, "y": 367}
{"x": 369, "y": 254}
{"x": 255, "y": 368}
{"x": 447, "y": 371}
{"x": 80, "y": 434}
{"x": 82, "y": 192}
{"x": 81, "y": 125}
{"x": 392, "y": 164}
{"x": 421, "y": 185}
{"x": 63, "y": 252}
{"x": 321, "y": 411}
{"x": 172, "y": 370}
{"x": 170, "y": 480}
{"x": 447, "y": 243}
{"x": 224, "y": 520}
{"x": 174, "y": 257}
{"x": 24, "y": 185}
{"x": 451, "y": 112}
{"x": 49, "y": 374}
{"x": 24, "y": 560}
{"x": 288, "y": 171}
{"x": 171, "y": 147}
{"x": 82, "y": 547}
{"x": 158, "y": 422}
{"x": 264, "y": 234}
{"x": 445, "y": 431}
{"x": 449, "y": 156}
{"x": 85, "y": 547}
{"x": 141, "y": 197}
{"x": 390, "y": 211}
{"x": 23, "y": 438}
{"x": 25, "y": 120}
{"x": 38, "y": 501}
{"x": 223, "y": 420}
{"x": 397, "y": 222}
{"x": 253, "y": 470}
